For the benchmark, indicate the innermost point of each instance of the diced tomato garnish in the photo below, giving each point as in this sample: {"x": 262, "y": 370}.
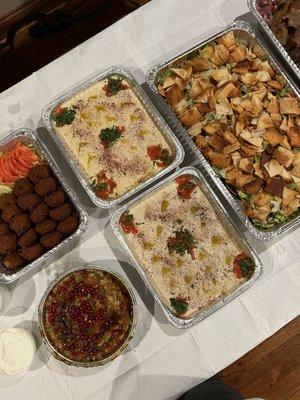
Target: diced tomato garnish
{"x": 193, "y": 254}
{"x": 121, "y": 128}
{"x": 154, "y": 152}
{"x": 236, "y": 266}
{"x": 58, "y": 110}
{"x": 185, "y": 186}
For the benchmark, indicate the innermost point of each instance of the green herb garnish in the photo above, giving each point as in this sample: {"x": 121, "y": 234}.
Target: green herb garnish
{"x": 256, "y": 158}
{"x": 180, "y": 306}
{"x": 64, "y": 116}
{"x": 292, "y": 186}
{"x": 297, "y": 149}
{"x": 231, "y": 120}
{"x": 265, "y": 145}
{"x": 190, "y": 102}
{"x": 283, "y": 92}
{"x": 164, "y": 75}
{"x": 247, "y": 267}
{"x": 244, "y": 196}
{"x": 211, "y": 116}
{"x": 114, "y": 84}
{"x": 192, "y": 54}
{"x": 110, "y": 135}
{"x": 182, "y": 243}
{"x": 230, "y": 66}
{"x": 245, "y": 90}
{"x": 100, "y": 186}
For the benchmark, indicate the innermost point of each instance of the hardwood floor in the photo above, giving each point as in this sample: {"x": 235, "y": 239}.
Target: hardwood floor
{"x": 272, "y": 369}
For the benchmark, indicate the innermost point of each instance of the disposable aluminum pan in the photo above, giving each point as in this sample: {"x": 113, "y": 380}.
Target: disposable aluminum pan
{"x": 252, "y": 4}
{"x": 27, "y": 137}
{"x": 242, "y": 30}
{"x": 228, "y": 224}
{"x": 176, "y": 148}
{"x": 55, "y": 353}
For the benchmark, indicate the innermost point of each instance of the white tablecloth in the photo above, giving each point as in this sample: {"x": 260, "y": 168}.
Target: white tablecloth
{"x": 162, "y": 362}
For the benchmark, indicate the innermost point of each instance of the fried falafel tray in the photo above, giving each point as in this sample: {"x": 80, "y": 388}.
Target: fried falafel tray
{"x": 36, "y": 212}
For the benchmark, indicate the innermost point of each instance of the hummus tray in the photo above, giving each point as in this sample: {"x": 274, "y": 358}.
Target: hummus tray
{"x": 252, "y": 4}
{"x": 246, "y": 37}
{"x": 186, "y": 248}
{"x": 113, "y": 138}
{"x": 34, "y": 240}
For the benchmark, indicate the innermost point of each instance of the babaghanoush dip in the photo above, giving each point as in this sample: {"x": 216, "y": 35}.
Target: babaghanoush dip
{"x": 178, "y": 239}
{"x": 112, "y": 136}
{"x": 88, "y": 315}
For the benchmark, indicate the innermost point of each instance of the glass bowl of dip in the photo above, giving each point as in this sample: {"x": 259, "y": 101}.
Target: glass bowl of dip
{"x": 87, "y": 316}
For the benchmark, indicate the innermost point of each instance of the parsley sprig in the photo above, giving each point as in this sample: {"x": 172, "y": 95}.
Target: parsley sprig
{"x": 109, "y": 136}
{"x": 182, "y": 243}
{"x": 114, "y": 84}
{"x": 64, "y": 116}
{"x": 180, "y": 306}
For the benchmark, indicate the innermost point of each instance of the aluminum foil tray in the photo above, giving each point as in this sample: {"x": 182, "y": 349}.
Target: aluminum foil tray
{"x": 28, "y": 136}
{"x": 176, "y": 148}
{"x": 244, "y": 31}
{"x": 252, "y": 4}
{"x": 228, "y": 224}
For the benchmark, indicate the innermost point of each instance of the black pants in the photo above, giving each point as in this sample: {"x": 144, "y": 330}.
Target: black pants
{"x": 212, "y": 389}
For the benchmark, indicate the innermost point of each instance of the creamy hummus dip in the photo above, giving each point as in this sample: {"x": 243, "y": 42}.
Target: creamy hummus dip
{"x": 181, "y": 243}
{"x": 111, "y": 135}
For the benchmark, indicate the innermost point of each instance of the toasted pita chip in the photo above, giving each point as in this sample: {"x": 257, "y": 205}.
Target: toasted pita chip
{"x": 285, "y": 143}
{"x": 217, "y": 142}
{"x": 289, "y": 105}
{"x": 190, "y": 117}
{"x": 223, "y": 107}
{"x": 200, "y": 64}
{"x": 294, "y": 135}
{"x": 213, "y": 127}
{"x": 273, "y": 168}
{"x": 292, "y": 207}
{"x": 285, "y": 174}
{"x": 231, "y": 176}
{"x": 277, "y": 120}
{"x": 254, "y": 186}
{"x": 275, "y": 186}
{"x": 183, "y": 73}
{"x": 296, "y": 159}
{"x": 225, "y": 91}
{"x": 288, "y": 196}
{"x": 284, "y": 156}
{"x": 174, "y": 95}
{"x": 227, "y": 40}
{"x": 236, "y": 157}
{"x": 221, "y": 74}
{"x": 265, "y": 121}
{"x": 272, "y": 136}
{"x": 263, "y": 76}
{"x": 248, "y": 79}
{"x": 242, "y": 180}
{"x": 181, "y": 107}
{"x": 296, "y": 171}
{"x": 207, "y": 52}
{"x": 250, "y": 150}
{"x": 220, "y": 56}
{"x": 238, "y": 54}
{"x": 231, "y": 148}
{"x": 275, "y": 85}
{"x": 196, "y": 129}
{"x": 220, "y": 161}
{"x": 261, "y": 199}
{"x": 229, "y": 137}
{"x": 246, "y": 164}
{"x": 273, "y": 107}
{"x": 200, "y": 141}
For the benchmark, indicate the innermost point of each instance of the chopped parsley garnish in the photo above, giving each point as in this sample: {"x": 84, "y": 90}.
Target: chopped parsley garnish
{"x": 247, "y": 267}
{"x": 283, "y": 92}
{"x": 245, "y": 90}
{"x": 230, "y": 66}
{"x": 179, "y": 305}
{"x": 100, "y": 186}
{"x": 127, "y": 222}
{"x": 164, "y": 75}
{"x": 109, "y": 136}
{"x": 244, "y": 196}
{"x": 159, "y": 155}
{"x": 297, "y": 149}
{"x": 64, "y": 116}
{"x": 256, "y": 158}
{"x": 231, "y": 120}
{"x": 182, "y": 243}
{"x": 292, "y": 186}
{"x": 211, "y": 116}
{"x": 192, "y": 54}
{"x": 190, "y": 102}
{"x": 114, "y": 84}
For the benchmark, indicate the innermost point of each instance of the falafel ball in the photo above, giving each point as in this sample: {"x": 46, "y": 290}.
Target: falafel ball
{"x": 8, "y": 243}
{"x": 20, "y": 223}
{"x": 7, "y": 199}
{"x": 29, "y": 201}
{"x": 40, "y": 213}
{"x": 38, "y": 172}
{"x": 28, "y": 238}
{"x": 13, "y": 261}
{"x": 45, "y": 227}
{"x": 51, "y": 239}
{"x": 55, "y": 199}
{"x": 4, "y": 228}
{"x": 45, "y": 186}
{"x": 61, "y": 212}
{"x": 33, "y": 252}
{"x": 9, "y": 212}
{"x": 68, "y": 225}
{"x": 22, "y": 186}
